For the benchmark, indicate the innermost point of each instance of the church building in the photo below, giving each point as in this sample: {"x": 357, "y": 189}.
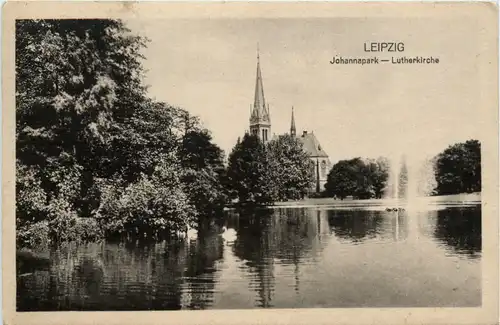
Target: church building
{"x": 260, "y": 125}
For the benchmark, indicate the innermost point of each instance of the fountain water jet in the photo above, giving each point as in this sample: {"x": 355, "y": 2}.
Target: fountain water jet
{"x": 410, "y": 181}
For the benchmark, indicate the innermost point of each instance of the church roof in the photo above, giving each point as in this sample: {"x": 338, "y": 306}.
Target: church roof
{"x": 312, "y": 145}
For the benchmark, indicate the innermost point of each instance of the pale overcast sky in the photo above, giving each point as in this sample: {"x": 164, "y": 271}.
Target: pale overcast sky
{"x": 208, "y": 67}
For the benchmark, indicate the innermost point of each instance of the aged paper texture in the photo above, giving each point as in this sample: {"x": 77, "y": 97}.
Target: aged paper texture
{"x": 222, "y": 163}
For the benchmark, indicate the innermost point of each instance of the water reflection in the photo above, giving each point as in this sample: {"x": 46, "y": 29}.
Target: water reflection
{"x": 460, "y": 229}
{"x": 283, "y": 258}
{"x": 255, "y": 245}
{"x": 355, "y": 225}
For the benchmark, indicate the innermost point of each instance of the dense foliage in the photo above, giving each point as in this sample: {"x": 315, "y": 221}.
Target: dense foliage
{"x": 458, "y": 168}
{"x": 205, "y": 174}
{"x": 95, "y": 155}
{"x": 249, "y": 172}
{"x": 292, "y": 169}
{"x": 261, "y": 173}
{"x": 361, "y": 179}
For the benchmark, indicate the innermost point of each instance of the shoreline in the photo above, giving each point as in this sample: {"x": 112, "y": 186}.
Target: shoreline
{"x": 453, "y": 199}
{"x": 464, "y": 199}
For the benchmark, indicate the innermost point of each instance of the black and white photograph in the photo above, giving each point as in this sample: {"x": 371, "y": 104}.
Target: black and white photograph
{"x": 252, "y": 163}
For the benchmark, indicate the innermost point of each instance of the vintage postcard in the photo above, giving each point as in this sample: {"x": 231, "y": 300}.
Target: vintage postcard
{"x": 250, "y": 163}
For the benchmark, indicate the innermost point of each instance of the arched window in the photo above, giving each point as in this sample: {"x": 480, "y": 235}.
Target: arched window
{"x": 323, "y": 168}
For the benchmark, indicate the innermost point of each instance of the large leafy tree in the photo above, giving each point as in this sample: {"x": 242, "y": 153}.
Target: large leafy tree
{"x": 87, "y": 136}
{"x": 362, "y": 173}
{"x": 291, "y": 168}
{"x": 458, "y": 168}
{"x": 362, "y": 179}
{"x": 204, "y": 171}
{"x": 379, "y": 173}
{"x": 74, "y": 79}
{"x": 342, "y": 178}
{"x": 249, "y": 176}
{"x": 197, "y": 151}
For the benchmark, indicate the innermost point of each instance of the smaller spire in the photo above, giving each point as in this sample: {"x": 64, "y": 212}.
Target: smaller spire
{"x": 293, "y": 130}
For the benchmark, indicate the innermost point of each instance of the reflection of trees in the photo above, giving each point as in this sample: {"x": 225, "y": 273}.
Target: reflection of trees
{"x": 255, "y": 244}
{"x": 129, "y": 276}
{"x": 460, "y": 228}
{"x": 296, "y": 231}
{"x": 287, "y": 235}
{"x": 200, "y": 272}
{"x": 299, "y": 234}
{"x": 355, "y": 225}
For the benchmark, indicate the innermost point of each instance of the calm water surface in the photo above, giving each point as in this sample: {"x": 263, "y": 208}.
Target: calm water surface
{"x": 282, "y": 258}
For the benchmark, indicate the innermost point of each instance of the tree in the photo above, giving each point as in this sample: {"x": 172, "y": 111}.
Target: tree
{"x": 198, "y": 152}
{"x": 362, "y": 172}
{"x": 248, "y": 176}
{"x": 74, "y": 78}
{"x": 380, "y": 175}
{"x": 204, "y": 172}
{"x": 362, "y": 179}
{"x": 458, "y": 168}
{"x": 342, "y": 179}
{"x": 89, "y": 143}
{"x": 291, "y": 168}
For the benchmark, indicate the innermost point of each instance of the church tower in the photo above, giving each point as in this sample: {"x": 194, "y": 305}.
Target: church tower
{"x": 260, "y": 120}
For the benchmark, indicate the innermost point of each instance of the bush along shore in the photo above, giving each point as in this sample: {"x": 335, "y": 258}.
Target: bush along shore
{"x": 97, "y": 158}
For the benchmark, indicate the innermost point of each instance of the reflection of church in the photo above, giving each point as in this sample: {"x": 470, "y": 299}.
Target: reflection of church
{"x": 260, "y": 125}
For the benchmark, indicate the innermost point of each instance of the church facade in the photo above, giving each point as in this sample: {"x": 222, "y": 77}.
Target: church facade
{"x": 260, "y": 126}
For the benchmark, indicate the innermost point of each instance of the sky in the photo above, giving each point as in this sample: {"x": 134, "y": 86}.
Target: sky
{"x": 208, "y": 66}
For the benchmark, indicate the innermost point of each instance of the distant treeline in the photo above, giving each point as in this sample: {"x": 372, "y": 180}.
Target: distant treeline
{"x": 97, "y": 158}
{"x": 457, "y": 169}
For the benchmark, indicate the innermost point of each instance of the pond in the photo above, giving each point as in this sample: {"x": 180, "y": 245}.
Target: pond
{"x": 280, "y": 258}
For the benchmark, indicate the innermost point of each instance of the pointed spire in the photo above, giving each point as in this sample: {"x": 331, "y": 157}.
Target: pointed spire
{"x": 293, "y": 130}
{"x": 259, "y": 101}
{"x": 260, "y": 120}
{"x": 260, "y": 112}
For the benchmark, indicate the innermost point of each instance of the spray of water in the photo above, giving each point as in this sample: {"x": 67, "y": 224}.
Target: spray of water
{"x": 411, "y": 179}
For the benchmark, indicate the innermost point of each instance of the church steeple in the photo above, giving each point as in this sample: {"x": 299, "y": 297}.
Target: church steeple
{"x": 293, "y": 130}
{"x": 259, "y": 101}
{"x": 260, "y": 121}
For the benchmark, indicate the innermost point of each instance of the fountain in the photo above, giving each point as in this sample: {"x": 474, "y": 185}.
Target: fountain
{"x": 410, "y": 181}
